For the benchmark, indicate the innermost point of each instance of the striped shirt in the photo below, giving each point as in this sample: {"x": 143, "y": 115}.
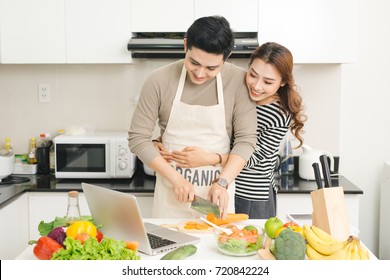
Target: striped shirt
{"x": 254, "y": 181}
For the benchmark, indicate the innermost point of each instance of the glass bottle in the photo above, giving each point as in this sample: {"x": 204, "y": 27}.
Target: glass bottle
{"x": 287, "y": 164}
{"x": 32, "y": 157}
{"x": 73, "y": 211}
{"x": 8, "y": 145}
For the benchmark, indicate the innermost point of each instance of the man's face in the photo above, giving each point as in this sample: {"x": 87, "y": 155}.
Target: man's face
{"x": 202, "y": 66}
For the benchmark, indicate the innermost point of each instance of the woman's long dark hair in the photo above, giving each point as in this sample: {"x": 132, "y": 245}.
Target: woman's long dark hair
{"x": 290, "y": 99}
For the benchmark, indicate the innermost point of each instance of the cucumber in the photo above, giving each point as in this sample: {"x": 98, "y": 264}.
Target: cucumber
{"x": 180, "y": 253}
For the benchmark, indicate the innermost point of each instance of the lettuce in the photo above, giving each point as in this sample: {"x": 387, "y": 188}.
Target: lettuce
{"x": 107, "y": 249}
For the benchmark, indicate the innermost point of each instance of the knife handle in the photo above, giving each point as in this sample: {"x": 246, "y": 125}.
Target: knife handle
{"x": 317, "y": 175}
{"x": 325, "y": 171}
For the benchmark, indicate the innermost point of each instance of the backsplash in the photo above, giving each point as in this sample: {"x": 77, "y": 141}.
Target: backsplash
{"x": 105, "y": 95}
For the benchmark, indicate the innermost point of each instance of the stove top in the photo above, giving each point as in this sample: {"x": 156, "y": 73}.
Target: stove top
{"x": 10, "y": 180}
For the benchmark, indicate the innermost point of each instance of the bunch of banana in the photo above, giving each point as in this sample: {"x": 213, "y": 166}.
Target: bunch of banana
{"x": 322, "y": 246}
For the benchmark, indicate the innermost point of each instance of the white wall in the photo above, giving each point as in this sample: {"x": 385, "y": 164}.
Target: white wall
{"x": 365, "y": 127}
{"x": 105, "y": 95}
{"x": 346, "y": 105}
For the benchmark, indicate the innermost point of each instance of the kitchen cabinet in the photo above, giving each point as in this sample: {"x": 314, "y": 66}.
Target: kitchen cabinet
{"x": 64, "y": 31}
{"x": 322, "y": 31}
{"x": 161, "y": 16}
{"x": 14, "y": 234}
{"x": 32, "y": 31}
{"x": 178, "y": 15}
{"x": 242, "y": 15}
{"x": 97, "y": 31}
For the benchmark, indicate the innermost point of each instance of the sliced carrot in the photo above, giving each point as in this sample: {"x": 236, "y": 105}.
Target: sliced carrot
{"x": 201, "y": 226}
{"x": 231, "y": 217}
{"x": 190, "y": 226}
{"x": 132, "y": 245}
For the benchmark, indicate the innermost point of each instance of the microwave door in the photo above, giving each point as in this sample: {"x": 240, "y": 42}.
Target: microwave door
{"x": 86, "y": 160}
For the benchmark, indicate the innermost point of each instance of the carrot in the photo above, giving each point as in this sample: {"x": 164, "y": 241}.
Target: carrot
{"x": 202, "y": 226}
{"x": 132, "y": 245}
{"x": 231, "y": 218}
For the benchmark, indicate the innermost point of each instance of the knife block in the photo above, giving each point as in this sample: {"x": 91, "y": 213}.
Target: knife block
{"x": 330, "y": 213}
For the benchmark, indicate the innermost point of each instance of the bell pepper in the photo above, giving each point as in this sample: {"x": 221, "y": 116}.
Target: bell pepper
{"x": 46, "y": 247}
{"x": 81, "y": 227}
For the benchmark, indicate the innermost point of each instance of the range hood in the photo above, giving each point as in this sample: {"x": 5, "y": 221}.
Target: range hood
{"x": 170, "y": 45}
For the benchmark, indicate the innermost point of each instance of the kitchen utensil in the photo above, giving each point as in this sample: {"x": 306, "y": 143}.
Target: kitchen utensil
{"x": 183, "y": 227}
{"x": 225, "y": 230}
{"x": 325, "y": 171}
{"x": 7, "y": 160}
{"x": 204, "y": 206}
{"x": 317, "y": 175}
{"x": 308, "y": 157}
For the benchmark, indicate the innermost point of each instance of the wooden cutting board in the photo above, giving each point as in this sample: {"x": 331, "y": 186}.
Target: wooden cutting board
{"x": 191, "y": 226}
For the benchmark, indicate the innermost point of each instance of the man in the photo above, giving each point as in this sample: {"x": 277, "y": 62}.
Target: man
{"x": 199, "y": 101}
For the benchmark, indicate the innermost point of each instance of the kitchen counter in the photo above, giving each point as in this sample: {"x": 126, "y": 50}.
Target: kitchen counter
{"x": 141, "y": 183}
{"x": 207, "y": 249}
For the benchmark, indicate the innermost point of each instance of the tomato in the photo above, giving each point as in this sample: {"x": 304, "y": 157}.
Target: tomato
{"x": 289, "y": 224}
{"x": 82, "y": 237}
{"x": 99, "y": 236}
{"x": 132, "y": 245}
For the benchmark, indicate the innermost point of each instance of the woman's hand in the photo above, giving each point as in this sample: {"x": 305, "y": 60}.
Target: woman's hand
{"x": 163, "y": 151}
{"x": 191, "y": 157}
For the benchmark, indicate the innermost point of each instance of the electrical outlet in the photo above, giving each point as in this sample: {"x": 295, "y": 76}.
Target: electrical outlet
{"x": 44, "y": 93}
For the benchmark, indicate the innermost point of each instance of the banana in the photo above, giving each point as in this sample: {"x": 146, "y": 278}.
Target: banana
{"x": 320, "y": 245}
{"x": 312, "y": 254}
{"x": 343, "y": 254}
{"x": 363, "y": 253}
{"x": 323, "y": 234}
{"x": 354, "y": 248}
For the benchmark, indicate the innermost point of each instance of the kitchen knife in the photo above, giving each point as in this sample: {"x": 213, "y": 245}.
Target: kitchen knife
{"x": 317, "y": 175}
{"x": 204, "y": 206}
{"x": 325, "y": 171}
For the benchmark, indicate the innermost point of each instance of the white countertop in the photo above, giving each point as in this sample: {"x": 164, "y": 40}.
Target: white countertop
{"x": 207, "y": 248}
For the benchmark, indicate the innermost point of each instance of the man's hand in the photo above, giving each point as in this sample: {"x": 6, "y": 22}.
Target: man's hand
{"x": 184, "y": 190}
{"x": 219, "y": 195}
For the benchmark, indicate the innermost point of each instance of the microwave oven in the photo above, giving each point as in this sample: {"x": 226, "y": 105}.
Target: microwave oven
{"x": 95, "y": 156}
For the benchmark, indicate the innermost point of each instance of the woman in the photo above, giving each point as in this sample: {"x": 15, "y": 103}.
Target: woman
{"x": 279, "y": 108}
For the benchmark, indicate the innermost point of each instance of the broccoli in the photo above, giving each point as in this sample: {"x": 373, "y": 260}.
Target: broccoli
{"x": 289, "y": 245}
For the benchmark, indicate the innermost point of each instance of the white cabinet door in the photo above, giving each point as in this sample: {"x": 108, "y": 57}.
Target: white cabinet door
{"x": 97, "y": 31}
{"x": 161, "y": 16}
{"x": 14, "y": 228}
{"x": 242, "y": 15}
{"x": 32, "y": 31}
{"x": 322, "y": 31}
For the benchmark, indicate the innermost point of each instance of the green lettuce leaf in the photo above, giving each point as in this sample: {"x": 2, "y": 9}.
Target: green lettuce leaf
{"x": 107, "y": 249}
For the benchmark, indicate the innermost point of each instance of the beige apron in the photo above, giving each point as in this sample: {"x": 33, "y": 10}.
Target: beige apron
{"x": 192, "y": 125}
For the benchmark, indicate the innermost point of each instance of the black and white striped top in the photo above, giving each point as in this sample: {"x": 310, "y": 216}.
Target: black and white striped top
{"x": 255, "y": 179}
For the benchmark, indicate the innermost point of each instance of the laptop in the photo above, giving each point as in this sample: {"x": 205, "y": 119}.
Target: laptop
{"x": 119, "y": 214}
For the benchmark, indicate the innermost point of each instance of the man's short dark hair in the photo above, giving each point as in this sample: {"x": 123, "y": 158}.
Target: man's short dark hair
{"x": 211, "y": 34}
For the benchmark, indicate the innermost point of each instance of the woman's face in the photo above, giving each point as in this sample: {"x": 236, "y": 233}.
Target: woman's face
{"x": 202, "y": 66}
{"x": 263, "y": 82}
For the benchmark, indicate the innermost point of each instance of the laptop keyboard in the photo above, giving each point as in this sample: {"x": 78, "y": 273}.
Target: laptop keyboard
{"x": 158, "y": 242}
